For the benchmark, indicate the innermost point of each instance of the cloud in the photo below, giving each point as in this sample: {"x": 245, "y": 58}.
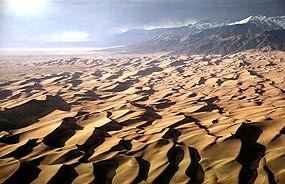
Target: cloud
{"x": 96, "y": 20}
{"x": 70, "y": 36}
{"x": 26, "y": 8}
{"x": 160, "y": 24}
{"x": 205, "y": 2}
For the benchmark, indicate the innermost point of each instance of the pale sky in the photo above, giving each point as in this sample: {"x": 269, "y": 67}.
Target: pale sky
{"x": 30, "y": 22}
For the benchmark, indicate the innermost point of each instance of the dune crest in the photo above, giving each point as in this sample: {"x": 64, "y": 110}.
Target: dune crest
{"x": 144, "y": 119}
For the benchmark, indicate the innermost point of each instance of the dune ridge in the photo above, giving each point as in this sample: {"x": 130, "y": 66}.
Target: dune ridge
{"x": 144, "y": 119}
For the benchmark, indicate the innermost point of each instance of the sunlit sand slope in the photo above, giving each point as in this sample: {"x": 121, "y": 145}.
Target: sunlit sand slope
{"x": 164, "y": 119}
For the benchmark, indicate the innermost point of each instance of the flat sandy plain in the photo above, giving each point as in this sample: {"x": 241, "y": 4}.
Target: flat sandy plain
{"x": 99, "y": 118}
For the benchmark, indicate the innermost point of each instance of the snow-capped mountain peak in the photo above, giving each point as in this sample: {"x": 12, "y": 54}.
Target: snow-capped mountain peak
{"x": 207, "y": 24}
{"x": 244, "y": 21}
{"x": 274, "y": 22}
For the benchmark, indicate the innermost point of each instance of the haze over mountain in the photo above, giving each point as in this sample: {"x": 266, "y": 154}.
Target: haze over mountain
{"x": 93, "y": 23}
{"x": 254, "y": 32}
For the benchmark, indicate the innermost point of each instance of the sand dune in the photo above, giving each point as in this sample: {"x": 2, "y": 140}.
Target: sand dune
{"x": 143, "y": 119}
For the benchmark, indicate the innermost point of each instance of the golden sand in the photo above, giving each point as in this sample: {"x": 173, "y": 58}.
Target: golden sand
{"x": 143, "y": 119}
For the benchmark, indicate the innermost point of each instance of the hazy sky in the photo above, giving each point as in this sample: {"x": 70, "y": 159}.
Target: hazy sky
{"x": 92, "y": 20}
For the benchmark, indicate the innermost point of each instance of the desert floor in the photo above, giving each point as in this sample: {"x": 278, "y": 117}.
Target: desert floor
{"x": 95, "y": 118}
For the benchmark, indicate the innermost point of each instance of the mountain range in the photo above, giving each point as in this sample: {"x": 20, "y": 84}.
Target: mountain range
{"x": 207, "y": 37}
